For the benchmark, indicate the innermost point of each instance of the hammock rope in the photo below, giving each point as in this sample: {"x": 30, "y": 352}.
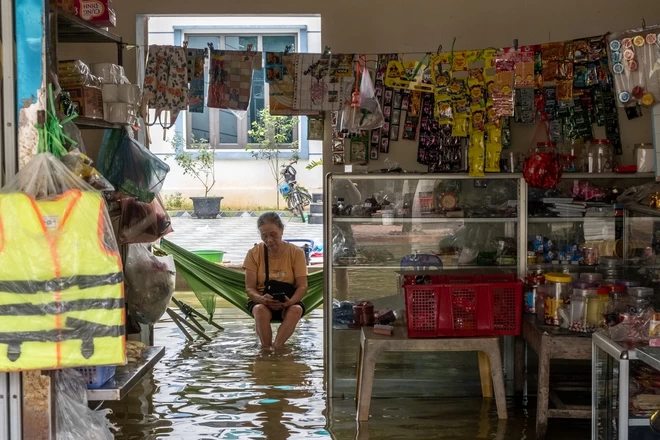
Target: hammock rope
{"x": 209, "y": 280}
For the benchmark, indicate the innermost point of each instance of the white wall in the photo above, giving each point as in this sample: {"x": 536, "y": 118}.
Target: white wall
{"x": 420, "y": 25}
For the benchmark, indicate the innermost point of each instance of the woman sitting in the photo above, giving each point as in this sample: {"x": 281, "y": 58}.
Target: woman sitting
{"x": 275, "y": 281}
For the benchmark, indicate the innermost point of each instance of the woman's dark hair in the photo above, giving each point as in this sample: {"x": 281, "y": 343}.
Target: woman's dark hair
{"x": 270, "y": 217}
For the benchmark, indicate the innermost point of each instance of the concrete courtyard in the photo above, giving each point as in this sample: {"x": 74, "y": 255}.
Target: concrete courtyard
{"x": 233, "y": 235}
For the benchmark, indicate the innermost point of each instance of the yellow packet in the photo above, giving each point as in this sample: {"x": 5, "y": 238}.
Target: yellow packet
{"x": 476, "y": 154}
{"x": 461, "y": 126}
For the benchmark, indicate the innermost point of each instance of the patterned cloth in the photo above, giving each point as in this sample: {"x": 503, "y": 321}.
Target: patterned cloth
{"x": 230, "y": 78}
{"x": 195, "y": 60}
{"x": 165, "y": 84}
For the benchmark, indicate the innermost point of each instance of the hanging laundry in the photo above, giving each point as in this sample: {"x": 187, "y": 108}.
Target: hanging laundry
{"x": 230, "y": 78}
{"x": 324, "y": 82}
{"x": 165, "y": 84}
{"x": 195, "y": 61}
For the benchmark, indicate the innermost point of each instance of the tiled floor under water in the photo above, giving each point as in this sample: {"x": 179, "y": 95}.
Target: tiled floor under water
{"x": 227, "y": 389}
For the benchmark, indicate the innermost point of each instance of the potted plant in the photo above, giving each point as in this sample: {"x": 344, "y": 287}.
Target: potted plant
{"x": 197, "y": 160}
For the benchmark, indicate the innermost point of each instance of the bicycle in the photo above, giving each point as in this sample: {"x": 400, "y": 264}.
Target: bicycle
{"x": 296, "y": 198}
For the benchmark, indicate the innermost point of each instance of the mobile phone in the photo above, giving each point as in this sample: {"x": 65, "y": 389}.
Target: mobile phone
{"x": 281, "y": 297}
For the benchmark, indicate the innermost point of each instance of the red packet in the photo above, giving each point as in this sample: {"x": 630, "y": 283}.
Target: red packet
{"x": 99, "y": 12}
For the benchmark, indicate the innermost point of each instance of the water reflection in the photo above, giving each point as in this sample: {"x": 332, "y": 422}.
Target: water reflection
{"x": 227, "y": 389}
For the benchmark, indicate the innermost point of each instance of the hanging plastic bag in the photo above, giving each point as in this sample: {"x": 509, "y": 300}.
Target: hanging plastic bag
{"x": 75, "y": 420}
{"x": 150, "y": 281}
{"x": 61, "y": 280}
{"x": 130, "y": 167}
{"x": 81, "y": 165}
{"x": 363, "y": 112}
{"x": 143, "y": 222}
{"x": 542, "y": 169}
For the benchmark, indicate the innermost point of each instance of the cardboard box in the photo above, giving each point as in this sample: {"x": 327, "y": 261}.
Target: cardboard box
{"x": 88, "y": 101}
{"x": 99, "y": 12}
{"x": 67, "y": 5}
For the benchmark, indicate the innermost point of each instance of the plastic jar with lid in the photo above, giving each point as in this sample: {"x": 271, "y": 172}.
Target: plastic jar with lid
{"x": 532, "y": 285}
{"x": 559, "y": 284}
{"x": 545, "y": 147}
{"x": 539, "y": 305}
{"x": 581, "y": 302}
{"x": 601, "y": 156}
{"x": 568, "y": 157}
{"x": 618, "y": 298}
{"x": 644, "y": 157}
{"x": 557, "y": 290}
{"x": 628, "y": 283}
{"x": 590, "y": 277}
{"x": 639, "y": 299}
{"x": 597, "y": 307}
{"x": 584, "y": 285}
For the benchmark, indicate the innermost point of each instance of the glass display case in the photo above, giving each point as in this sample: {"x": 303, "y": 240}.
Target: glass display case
{"x": 379, "y": 226}
{"x": 621, "y": 404}
{"x": 578, "y": 227}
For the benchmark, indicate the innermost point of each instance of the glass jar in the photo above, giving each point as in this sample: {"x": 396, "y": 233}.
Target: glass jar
{"x": 590, "y": 277}
{"x": 618, "y": 298}
{"x": 597, "y": 307}
{"x": 568, "y": 157}
{"x": 579, "y": 150}
{"x": 639, "y": 299}
{"x": 601, "y": 156}
{"x": 644, "y": 157}
{"x": 628, "y": 283}
{"x": 532, "y": 285}
{"x": 556, "y": 292}
{"x": 559, "y": 284}
{"x": 590, "y": 255}
{"x": 610, "y": 267}
{"x": 582, "y": 300}
{"x": 584, "y": 285}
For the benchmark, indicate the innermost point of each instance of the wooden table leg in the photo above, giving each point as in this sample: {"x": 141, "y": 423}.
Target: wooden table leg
{"x": 366, "y": 378}
{"x": 486, "y": 376}
{"x": 519, "y": 370}
{"x": 498, "y": 379}
{"x": 543, "y": 390}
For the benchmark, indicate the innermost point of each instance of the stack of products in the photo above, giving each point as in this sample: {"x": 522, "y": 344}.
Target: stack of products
{"x": 84, "y": 89}
{"x": 120, "y": 98}
{"x": 565, "y": 207}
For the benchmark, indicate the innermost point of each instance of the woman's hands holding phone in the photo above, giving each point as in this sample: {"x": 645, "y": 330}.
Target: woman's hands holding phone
{"x": 272, "y": 303}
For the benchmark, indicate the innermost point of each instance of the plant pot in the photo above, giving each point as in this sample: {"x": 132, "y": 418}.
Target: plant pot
{"x": 206, "y": 207}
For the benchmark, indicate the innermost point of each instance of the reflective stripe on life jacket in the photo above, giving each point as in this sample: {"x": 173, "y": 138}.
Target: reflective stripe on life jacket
{"x": 61, "y": 284}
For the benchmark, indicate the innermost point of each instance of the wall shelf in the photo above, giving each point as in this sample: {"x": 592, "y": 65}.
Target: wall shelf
{"x": 72, "y": 29}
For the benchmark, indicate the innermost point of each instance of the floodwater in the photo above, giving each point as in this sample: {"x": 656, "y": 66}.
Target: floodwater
{"x": 227, "y": 389}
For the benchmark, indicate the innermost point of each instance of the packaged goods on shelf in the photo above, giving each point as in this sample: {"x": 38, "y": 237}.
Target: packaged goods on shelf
{"x": 87, "y": 101}
{"x": 98, "y": 12}
{"x": 109, "y": 73}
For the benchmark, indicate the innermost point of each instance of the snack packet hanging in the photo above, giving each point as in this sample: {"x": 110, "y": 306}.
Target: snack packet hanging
{"x": 476, "y": 152}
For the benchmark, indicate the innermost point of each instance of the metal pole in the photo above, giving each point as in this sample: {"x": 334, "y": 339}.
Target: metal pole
{"x": 15, "y": 406}
{"x": 8, "y": 90}
{"x": 4, "y": 405}
{"x": 328, "y": 273}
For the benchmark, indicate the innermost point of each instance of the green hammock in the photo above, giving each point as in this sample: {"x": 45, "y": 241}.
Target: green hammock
{"x": 208, "y": 279}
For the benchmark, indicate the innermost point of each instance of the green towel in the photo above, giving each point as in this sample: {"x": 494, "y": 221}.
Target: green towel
{"x": 208, "y": 279}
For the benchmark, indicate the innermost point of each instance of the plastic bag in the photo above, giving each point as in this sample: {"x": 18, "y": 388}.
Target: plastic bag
{"x": 143, "y": 222}
{"x": 75, "y": 420}
{"x": 150, "y": 283}
{"x": 81, "y": 165}
{"x": 363, "y": 112}
{"x": 130, "y": 167}
{"x": 61, "y": 294}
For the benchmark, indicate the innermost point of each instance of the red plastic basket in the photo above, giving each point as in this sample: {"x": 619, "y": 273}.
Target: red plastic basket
{"x": 464, "y": 305}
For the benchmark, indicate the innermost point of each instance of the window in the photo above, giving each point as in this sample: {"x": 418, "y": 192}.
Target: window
{"x": 223, "y": 128}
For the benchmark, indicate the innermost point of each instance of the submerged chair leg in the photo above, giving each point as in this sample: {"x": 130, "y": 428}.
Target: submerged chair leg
{"x": 179, "y": 321}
